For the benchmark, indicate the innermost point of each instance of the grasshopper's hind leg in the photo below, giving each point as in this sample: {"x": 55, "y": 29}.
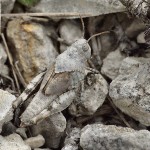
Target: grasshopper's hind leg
{"x": 58, "y": 105}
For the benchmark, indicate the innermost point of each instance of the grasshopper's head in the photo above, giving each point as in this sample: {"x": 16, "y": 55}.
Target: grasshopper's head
{"x": 83, "y": 47}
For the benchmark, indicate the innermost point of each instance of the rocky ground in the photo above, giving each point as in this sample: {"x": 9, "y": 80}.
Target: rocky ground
{"x": 50, "y": 99}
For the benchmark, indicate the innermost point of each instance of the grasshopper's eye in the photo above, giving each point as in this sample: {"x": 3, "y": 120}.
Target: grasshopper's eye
{"x": 85, "y": 47}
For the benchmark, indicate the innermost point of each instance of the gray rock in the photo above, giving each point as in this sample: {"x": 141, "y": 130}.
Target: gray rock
{"x": 134, "y": 28}
{"x": 32, "y": 47}
{"x": 72, "y": 140}
{"x": 22, "y": 132}
{"x": 3, "y": 57}
{"x": 131, "y": 64}
{"x": 4, "y": 71}
{"x": 35, "y": 142}
{"x": 52, "y": 129}
{"x": 111, "y": 64}
{"x": 6, "y": 7}
{"x": 13, "y": 142}
{"x": 141, "y": 38}
{"x": 8, "y": 128}
{"x": 84, "y": 8}
{"x": 6, "y": 110}
{"x": 69, "y": 31}
{"x": 91, "y": 97}
{"x": 98, "y": 136}
{"x": 130, "y": 90}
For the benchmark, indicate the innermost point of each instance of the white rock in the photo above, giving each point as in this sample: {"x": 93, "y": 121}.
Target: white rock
{"x": 111, "y": 64}
{"x": 13, "y": 142}
{"x": 141, "y": 38}
{"x": 91, "y": 97}
{"x": 69, "y": 31}
{"x": 130, "y": 90}
{"x": 35, "y": 142}
{"x": 32, "y": 47}
{"x": 72, "y": 140}
{"x": 98, "y": 136}
{"x": 6, "y": 110}
{"x": 52, "y": 129}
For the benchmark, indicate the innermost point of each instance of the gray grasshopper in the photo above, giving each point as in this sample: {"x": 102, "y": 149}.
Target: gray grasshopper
{"x": 61, "y": 83}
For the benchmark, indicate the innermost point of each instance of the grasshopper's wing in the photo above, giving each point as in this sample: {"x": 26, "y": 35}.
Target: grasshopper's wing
{"x": 56, "y": 83}
{"x": 49, "y": 75}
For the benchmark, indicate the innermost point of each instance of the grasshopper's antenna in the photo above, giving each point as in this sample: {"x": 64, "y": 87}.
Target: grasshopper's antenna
{"x": 83, "y": 27}
{"x": 105, "y": 32}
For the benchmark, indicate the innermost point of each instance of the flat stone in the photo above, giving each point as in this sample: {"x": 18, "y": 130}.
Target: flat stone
{"x": 35, "y": 142}
{"x": 130, "y": 90}
{"x": 13, "y": 142}
{"x": 111, "y": 64}
{"x": 98, "y": 136}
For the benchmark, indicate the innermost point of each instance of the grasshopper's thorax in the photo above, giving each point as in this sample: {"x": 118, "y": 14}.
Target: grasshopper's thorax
{"x": 74, "y": 58}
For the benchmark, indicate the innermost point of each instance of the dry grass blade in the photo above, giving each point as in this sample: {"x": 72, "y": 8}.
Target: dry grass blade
{"x": 20, "y": 75}
{"x": 11, "y": 63}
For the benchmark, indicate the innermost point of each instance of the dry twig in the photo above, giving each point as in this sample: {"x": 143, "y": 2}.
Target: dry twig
{"x": 20, "y": 75}
{"x": 11, "y": 62}
{"x": 119, "y": 113}
{"x": 67, "y": 14}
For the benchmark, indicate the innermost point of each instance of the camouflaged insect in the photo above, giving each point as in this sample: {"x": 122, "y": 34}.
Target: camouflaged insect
{"x": 60, "y": 83}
